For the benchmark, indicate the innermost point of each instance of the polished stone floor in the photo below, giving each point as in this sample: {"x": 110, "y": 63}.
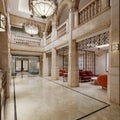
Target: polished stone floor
{"x": 42, "y": 99}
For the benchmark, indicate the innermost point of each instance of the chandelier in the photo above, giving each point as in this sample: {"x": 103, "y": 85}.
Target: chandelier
{"x": 31, "y": 29}
{"x": 43, "y": 8}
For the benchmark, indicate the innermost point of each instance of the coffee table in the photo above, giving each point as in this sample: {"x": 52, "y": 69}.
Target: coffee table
{"x": 94, "y": 79}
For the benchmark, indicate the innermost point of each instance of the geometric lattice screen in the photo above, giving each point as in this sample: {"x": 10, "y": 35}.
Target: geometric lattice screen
{"x": 86, "y": 60}
{"x": 91, "y": 42}
{"x": 63, "y": 57}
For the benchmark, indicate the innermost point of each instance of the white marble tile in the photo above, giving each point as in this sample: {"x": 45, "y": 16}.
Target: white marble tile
{"x": 40, "y": 99}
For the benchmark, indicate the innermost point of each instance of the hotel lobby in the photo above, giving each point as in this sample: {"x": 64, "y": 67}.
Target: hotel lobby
{"x": 59, "y": 60}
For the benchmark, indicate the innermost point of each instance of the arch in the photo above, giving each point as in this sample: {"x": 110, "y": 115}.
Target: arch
{"x": 77, "y": 2}
{"x": 63, "y": 5}
{"x": 64, "y": 16}
{"x": 48, "y": 27}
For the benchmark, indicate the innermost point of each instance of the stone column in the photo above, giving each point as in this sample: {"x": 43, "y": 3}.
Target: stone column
{"x": 76, "y": 19}
{"x": 49, "y": 64}
{"x": 54, "y": 65}
{"x": 114, "y": 66}
{"x": 54, "y": 68}
{"x": 40, "y": 66}
{"x": 73, "y": 76}
{"x": 45, "y": 65}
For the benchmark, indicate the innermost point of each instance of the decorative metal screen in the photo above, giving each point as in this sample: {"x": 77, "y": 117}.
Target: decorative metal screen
{"x": 63, "y": 57}
{"x": 86, "y": 60}
{"x": 91, "y": 42}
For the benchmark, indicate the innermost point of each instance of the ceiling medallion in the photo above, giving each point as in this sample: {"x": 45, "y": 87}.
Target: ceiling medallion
{"x": 43, "y": 8}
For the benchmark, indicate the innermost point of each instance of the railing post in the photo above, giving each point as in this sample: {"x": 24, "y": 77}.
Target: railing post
{"x": 89, "y": 12}
{"x": 92, "y": 9}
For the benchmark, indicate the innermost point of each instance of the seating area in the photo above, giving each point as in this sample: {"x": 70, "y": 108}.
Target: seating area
{"x": 85, "y": 75}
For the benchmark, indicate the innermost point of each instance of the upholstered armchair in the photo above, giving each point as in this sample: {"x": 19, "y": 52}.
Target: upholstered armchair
{"x": 102, "y": 80}
{"x": 62, "y": 71}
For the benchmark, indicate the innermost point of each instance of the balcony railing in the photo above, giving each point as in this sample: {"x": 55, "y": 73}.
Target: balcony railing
{"x": 88, "y": 12}
{"x": 92, "y": 9}
{"x": 48, "y": 39}
{"x": 62, "y": 29}
{"x": 21, "y": 40}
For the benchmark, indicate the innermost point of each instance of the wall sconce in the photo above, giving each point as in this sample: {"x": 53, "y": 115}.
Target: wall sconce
{"x": 2, "y": 23}
{"x": 115, "y": 47}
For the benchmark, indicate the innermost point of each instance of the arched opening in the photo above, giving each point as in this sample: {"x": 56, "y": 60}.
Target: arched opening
{"x": 64, "y": 15}
{"x": 48, "y": 29}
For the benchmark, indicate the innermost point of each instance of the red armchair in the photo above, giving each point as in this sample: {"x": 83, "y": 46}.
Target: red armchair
{"x": 102, "y": 80}
{"x": 61, "y": 72}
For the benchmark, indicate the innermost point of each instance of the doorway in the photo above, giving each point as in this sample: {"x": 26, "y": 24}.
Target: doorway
{"x": 22, "y": 65}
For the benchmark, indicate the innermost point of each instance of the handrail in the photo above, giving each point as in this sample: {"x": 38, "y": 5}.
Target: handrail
{"x": 48, "y": 36}
{"x": 32, "y": 39}
{"x": 87, "y": 5}
{"x": 62, "y": 29}
{"x": 21, "y": 40}
{"x": 92, "y": 9}
{"x": 64, "y": 23}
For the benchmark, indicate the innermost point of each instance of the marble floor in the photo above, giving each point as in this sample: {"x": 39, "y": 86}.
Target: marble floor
{"x": 43, "y": 99}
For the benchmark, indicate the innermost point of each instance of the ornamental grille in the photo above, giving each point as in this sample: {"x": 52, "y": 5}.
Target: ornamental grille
{"x": 91, "y": 42}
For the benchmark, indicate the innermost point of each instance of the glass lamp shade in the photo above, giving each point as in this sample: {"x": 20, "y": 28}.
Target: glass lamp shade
{"x": 43, "y": 8}
{"x": 2, "y": 23}
{"x": 31, "y": 29}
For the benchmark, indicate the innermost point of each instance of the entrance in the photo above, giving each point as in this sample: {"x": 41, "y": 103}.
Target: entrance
{"x": 22, "y": 65}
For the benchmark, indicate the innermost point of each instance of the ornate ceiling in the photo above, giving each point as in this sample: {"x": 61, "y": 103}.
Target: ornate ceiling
{"x": 20, "y": 13}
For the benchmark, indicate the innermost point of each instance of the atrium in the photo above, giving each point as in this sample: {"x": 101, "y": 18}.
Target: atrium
{"x": 59, "y": 60}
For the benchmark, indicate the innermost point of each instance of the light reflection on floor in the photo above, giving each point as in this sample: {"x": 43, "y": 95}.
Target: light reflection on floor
{"x": 40, "y": 99}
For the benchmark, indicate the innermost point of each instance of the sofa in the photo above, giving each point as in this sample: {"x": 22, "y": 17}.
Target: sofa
{"x": 102, "y": 80}
{"x": 85, "y": 75}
